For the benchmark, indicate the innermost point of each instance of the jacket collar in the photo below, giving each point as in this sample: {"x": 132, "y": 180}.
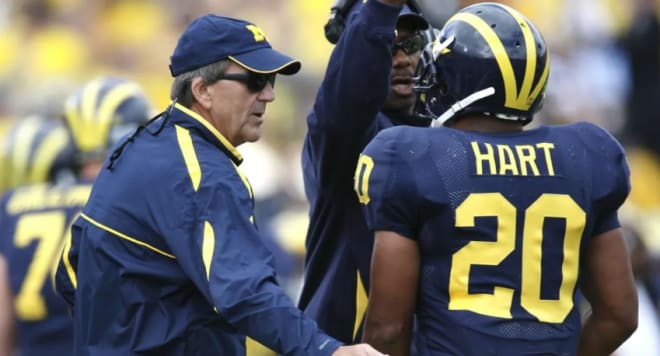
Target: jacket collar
{"x": 208, "y": 131}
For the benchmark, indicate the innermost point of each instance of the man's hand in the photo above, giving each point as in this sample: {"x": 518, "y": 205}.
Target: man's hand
{"x": 357, "y": 350}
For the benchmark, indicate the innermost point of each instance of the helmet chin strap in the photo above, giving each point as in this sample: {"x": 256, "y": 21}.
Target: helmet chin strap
{"x": 462, "y": 104}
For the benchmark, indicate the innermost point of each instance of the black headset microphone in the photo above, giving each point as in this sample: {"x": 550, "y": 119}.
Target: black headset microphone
{"x": 338, "y": 13}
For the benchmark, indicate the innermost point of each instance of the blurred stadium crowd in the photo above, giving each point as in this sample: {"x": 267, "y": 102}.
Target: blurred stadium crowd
{"x": 605, "y": 68}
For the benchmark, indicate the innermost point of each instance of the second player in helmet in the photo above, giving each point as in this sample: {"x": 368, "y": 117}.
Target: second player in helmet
{"x": 99, "y": 115}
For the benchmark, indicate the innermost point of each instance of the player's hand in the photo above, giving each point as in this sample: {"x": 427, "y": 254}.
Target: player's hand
{"x": 357, "y": 350}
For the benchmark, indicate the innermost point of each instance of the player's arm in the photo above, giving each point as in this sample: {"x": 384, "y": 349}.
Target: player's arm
{"x": 7, "y": 329}
{"x": 65, "y": 274}
{"x": 608, "y": 282}
{"x": 357, "y": 79}
{"x": 609, "y": 287}
{"x": 390, "y": 209}
{"x": 394, "y": 276}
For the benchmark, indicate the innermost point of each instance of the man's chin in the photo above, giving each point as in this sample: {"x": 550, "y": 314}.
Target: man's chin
{"x": 399, "y": 105}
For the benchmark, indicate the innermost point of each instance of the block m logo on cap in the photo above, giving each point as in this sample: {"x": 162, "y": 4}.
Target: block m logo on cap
{"x": 259, "y": 35}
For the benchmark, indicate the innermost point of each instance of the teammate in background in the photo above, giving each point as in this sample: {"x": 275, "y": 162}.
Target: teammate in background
{"x": 166, "y": 257}
{"x": 98, "y": 115}
{"x": 368, "y": 86}
{"x": 33, "y": 319}
{"x": 34, "y": 149}
{"x": 35, "y": 218}
{"x": 483, "y": 230}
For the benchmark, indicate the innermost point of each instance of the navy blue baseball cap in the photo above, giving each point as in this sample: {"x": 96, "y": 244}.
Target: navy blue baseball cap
{"x": 406, "y": 15}
{"x": 211, "y": 38}
{"x": 416, "y": 20}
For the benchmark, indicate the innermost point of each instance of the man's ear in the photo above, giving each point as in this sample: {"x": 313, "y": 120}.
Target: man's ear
{"x": 200, "y": 91}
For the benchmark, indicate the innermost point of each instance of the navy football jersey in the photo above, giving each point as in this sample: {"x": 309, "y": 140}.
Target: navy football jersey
{"x": 33, "y": 221}
{"x": 501, "y": 221}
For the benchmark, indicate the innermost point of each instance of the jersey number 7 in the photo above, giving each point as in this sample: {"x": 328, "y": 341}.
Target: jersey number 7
{"x": 47, "y": 228}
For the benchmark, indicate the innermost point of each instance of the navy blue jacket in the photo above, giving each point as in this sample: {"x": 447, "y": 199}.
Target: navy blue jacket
{"x": 167, "y": 258}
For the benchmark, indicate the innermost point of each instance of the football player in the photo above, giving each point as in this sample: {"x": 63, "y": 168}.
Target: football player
{"x": 35, "y": 218}
{"x": 485, "y": 231}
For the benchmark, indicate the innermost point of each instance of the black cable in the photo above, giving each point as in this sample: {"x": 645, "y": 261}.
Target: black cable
{"x": 165, "y": 115}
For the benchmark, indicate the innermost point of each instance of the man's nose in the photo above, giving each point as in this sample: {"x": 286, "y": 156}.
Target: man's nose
{"x": 267, "y": 94}
{"x": 400, "y": 58}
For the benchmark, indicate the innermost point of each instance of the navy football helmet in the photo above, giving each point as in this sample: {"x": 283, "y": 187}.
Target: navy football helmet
{"x": 488, "y": 59}
{"x": 103, "y": 111}
{"x": 35, "y": 149}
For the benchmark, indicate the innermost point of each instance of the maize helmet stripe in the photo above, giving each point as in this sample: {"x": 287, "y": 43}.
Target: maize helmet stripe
{"x": 92, "y": 119}
{"x": 20, "y": 155}
{"x": 499, "y": 52}
{"x": 542, "y": 80}
{"x": 115, "y": 98}
{"x": 47, "y": 152}
{"x": 35, "y": 150}
{"x": 89, "y": 97}
{"x": 77, "y": 113}
{"x": 80, "y": 113}
{"x": 530, "y": 70}
{"x": 513, "y": 99}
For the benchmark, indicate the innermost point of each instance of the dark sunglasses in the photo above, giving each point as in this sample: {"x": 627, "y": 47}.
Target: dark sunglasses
{"x": 255, "y": 82}
{"x": 410, "y": 45}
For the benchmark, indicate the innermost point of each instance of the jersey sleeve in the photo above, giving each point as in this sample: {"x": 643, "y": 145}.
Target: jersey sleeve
{"x": 385, "y": 185}
{"x": 611, "y": 179}
{"x": 221, "y": 250}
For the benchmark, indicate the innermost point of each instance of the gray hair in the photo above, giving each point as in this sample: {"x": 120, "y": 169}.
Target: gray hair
{"x": 181, "y": 87}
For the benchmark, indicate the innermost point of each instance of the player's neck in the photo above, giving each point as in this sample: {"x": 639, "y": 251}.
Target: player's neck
{"x": 482, "y": 123}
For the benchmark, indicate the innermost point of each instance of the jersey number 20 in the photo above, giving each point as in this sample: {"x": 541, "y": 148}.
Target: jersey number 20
{"x": 492, "y": 253}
